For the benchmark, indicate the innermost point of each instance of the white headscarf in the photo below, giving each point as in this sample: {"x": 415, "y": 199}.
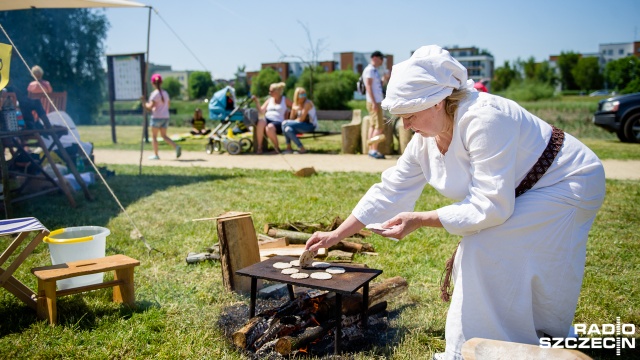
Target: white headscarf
{"x": 426, "y": 78}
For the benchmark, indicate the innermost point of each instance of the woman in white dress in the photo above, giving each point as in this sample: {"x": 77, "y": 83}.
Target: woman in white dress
{"x": 518, "y": 268}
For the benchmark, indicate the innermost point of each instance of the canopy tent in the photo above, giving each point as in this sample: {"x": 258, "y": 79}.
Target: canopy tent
{"x": 59, "y": 4}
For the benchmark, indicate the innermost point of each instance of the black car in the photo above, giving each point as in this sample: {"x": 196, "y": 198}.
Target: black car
{"x": 620, "y": 114}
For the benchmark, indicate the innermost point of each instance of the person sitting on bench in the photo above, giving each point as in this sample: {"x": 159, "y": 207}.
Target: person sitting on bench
{"x": 303, "y": 119}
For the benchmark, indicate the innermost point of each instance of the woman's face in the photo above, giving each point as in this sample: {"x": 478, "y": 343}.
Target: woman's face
{"x": 274, "y": 92}
{"x": 428, "y": 122}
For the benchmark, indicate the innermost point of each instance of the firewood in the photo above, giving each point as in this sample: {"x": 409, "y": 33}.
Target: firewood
{"x": 258, "y": 324}
{"x": 340, "y": 256}
{"x": 286, "y": 344}
{"x": 350, "y": 246}
{"x": 294, "y": 237}
{"x": 271, "y": 242}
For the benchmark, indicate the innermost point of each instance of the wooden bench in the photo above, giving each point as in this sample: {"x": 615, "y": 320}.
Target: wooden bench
{"x": 328, "y": 115}
{"x": 123, "y": 288}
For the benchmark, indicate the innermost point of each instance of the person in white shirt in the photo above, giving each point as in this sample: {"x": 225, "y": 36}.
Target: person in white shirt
{"x": 373, "y": 85}
{"x": 273, "y": 112}
{"x": 524, "y": 194}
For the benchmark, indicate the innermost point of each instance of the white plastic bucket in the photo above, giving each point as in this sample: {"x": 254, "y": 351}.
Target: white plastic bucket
{"x": 77, "y": 243}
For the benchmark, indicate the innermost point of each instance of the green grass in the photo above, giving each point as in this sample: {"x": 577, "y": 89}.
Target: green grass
{"x": 179, "y": 304}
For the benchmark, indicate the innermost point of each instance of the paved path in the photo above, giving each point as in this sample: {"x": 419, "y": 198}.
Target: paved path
{"x": 614, "y": 169}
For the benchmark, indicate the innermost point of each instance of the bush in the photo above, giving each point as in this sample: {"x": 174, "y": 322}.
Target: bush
{"x": 173, "y": 87}
{"x": 529, "y": 91}
{"x": 261, "y": 82}
{"x": 200, "y": 85}
{"x": 334, "y": 90}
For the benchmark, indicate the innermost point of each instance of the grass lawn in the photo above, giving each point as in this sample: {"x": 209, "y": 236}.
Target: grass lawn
{"x": 179, "y": 304}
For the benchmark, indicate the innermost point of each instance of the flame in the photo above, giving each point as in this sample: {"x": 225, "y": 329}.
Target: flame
{"x": 304, "y": 350}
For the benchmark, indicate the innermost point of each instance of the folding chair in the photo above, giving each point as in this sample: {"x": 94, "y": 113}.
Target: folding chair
{"x": 22, "y": 227}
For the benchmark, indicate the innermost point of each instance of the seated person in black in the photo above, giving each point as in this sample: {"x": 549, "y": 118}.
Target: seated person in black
{"x": 198, "y": 124}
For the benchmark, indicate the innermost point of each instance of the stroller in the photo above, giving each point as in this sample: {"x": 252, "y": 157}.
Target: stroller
{"x": 225, "y": 137}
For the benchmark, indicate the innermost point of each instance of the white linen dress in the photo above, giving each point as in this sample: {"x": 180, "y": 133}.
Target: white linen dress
{"x": 519, "y": 267}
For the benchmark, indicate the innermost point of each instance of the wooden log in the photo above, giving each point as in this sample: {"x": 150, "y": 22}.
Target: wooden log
{"x": 486, "y": 349}
{"x": 340, "y": 255}
{"x": 351, "y": 246}
{"x": 286, "y": 344}
{"x": 240, "y": 337}
{"x": 238, "y": 249}
{"x": 294, "y": 237}
{"x": 351, "y": 139}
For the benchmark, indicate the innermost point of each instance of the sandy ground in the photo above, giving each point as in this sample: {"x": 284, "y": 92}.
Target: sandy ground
{"x": 614, "y": 169}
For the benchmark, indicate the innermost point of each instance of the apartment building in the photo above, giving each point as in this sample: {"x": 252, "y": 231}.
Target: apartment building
{"x": 479, "y": 64}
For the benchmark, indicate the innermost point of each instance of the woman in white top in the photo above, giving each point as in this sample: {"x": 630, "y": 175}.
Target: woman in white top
{"x": 275, "y": 111}
{"x": 303, "y": 119}
{"x": 158, "y": 104}
{"x": 519, "y": 265}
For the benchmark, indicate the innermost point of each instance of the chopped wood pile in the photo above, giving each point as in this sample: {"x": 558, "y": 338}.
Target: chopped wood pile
{"x": 292, "y": 237}
{"x": 297, "y": 325}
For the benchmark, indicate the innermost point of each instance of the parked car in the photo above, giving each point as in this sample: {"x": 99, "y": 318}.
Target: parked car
{"x": 620, "y": 114}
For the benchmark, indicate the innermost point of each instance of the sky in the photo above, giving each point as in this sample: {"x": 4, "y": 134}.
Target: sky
{"x": 222, "y": 35}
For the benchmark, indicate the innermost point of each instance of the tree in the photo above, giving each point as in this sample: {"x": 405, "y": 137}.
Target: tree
{"x": 566, "y": 63}
{"x": 200, "y": 84}
{"x": 545, "y": 74}
{"x": 623, "y": 74}
{"x": 587, "y": 74}
{"x": 334, "y": 90}
{"x": 504, "y": 76}
{"x": 261, "y": 82}
{"x": 173, "y": 87}
{"x": 68, "y": 44}
{"x": 240, "y": 85}
{"x": 529, "y": 68}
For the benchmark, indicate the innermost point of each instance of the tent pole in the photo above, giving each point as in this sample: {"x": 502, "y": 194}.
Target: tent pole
{"x": 145, "y": 124}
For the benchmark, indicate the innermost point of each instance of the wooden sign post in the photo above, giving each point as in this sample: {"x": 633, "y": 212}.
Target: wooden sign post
{"x": 238, "y": 249}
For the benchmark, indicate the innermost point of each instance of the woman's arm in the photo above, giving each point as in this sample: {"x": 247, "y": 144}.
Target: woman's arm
{"x": 302, "y": 115}
{"x": 323, "y": 239}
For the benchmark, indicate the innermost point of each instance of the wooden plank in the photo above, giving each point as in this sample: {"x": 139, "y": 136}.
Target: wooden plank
{"x": 84, "y": 267}
{"x": 486, "y": 349}
{"x": 273, "y": 243}
{"x": 238, "y": 249}
{"x": 291, "y": 250}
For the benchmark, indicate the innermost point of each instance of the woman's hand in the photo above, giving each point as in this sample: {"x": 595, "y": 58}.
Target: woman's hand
{"x": 401, "y": 225}
{"x": 322, "y": 239}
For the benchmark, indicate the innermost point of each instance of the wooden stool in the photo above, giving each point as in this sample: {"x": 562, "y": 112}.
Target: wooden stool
{"x": 123, "y": 288}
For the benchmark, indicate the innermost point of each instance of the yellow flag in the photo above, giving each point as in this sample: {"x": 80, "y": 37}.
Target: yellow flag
{"x": 5, "y": 61}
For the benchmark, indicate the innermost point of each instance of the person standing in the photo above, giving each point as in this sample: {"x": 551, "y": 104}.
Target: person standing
{"x": 158, "y": 104}
{"x": 373, "y": 85}
{"x": 524, "y": 195}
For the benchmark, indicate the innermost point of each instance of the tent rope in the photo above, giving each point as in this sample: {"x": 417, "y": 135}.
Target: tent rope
{"x": 136, "y": 229}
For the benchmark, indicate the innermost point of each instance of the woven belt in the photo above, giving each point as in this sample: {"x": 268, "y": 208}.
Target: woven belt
{"x": 537, "y": 171}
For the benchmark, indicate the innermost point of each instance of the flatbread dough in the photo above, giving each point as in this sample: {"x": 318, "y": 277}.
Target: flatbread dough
{"x": 300, "y": 275}
{"x": 294, "y": 262}
{"x": 281, "y": 265}
{"x": 335, "y": 270}
{"x": 306, "y": 258}
{"x": 320, "y": 264}
{"x": 289, "y": 271}
{"x": 321, "y": 276}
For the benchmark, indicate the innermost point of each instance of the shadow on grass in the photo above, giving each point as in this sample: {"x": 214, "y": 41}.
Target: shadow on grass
{"x": 54, "y": 211}
{"x": 73, "y": 311}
